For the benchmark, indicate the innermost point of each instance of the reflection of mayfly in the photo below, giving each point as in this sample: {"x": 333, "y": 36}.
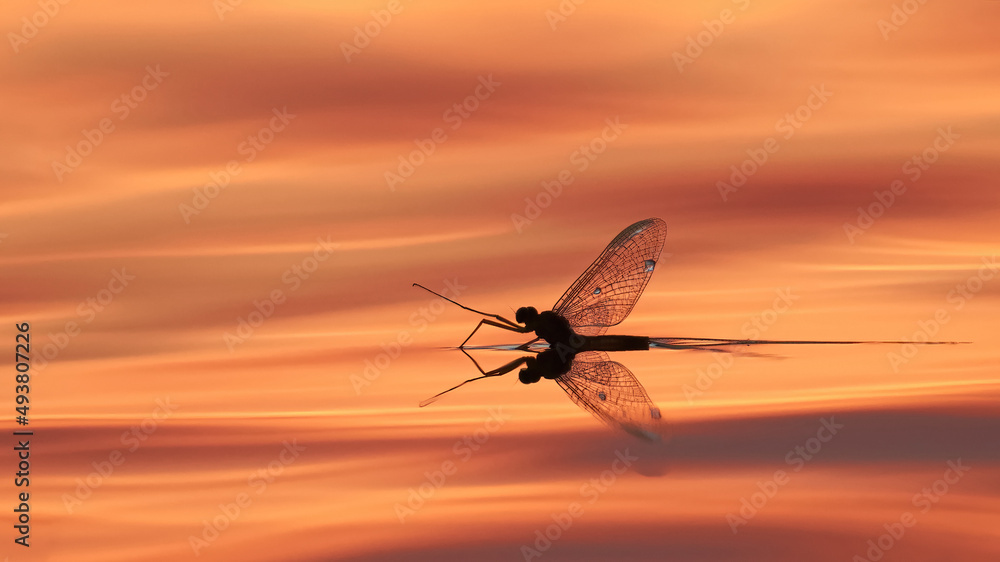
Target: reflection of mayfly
{"x": 574, "y": 329}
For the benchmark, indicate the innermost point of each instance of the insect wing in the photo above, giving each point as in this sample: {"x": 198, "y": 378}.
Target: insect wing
{"x": 610, "y": 392}
{"x": 606, "y": 292}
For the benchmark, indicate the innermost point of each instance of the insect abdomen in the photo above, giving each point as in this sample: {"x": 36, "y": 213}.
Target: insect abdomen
{"x": 615, "y": 343}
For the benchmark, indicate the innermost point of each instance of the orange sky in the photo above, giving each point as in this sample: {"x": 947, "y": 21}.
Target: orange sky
{"x": 170, "y": 170}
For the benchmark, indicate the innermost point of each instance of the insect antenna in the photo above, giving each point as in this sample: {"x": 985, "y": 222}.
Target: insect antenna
{"x": 453, "y": 302}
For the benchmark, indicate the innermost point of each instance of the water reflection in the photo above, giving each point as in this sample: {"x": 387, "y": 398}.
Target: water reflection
{"x": 605, "y": 388}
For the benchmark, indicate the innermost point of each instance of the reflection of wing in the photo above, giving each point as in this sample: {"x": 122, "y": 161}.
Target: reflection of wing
{"x": 611, "y": 392}
{"x": 606, "y": 292}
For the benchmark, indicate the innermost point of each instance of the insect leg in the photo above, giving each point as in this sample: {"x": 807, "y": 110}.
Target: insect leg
{"x": 512, "y": 328}
{"x": 526, "y": 345}
{"x": 500, "y": 370}
{"x": 494, "y": 373}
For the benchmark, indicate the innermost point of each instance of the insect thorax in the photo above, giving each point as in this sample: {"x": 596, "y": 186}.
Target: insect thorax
{"x": 553, "y": 328}
{"x": 548, "y": 364}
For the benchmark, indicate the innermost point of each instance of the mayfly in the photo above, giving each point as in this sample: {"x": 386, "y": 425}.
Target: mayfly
{"x": 575, "y": 327}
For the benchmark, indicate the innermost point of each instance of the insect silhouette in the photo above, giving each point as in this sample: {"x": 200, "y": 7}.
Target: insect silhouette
{"x": 574, "y": 329}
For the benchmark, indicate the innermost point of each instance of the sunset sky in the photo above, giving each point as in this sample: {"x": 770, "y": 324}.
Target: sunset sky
{"x": 212, "y": 214}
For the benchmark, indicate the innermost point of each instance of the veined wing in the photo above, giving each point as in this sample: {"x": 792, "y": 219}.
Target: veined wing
{"x": 606, "y": 292}
{"x": 612, "y": 394}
